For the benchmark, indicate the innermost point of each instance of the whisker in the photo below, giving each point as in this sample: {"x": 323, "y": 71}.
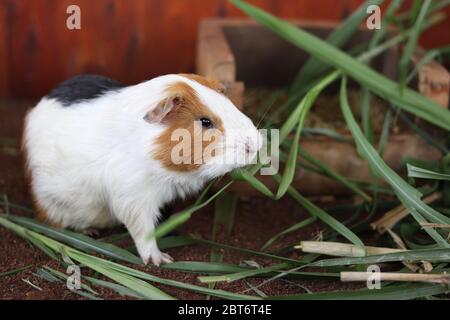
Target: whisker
{"x": 269, "y": 106}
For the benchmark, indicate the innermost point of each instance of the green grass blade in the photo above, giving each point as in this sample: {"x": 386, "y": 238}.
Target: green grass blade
{"x": 366, "y": 119}
{"x": 416, "y": 172}
{"x": 40, "y": 245}
{"x": 122, "y": 290}
{"x": 15, "y": 271}
{"x": 204, "y": 267}
{"x": 181, "y": 217}
{"x": 291, "y": 163}
{"x": 425, "y": 136}
{"x": 77, "y": 240}
{"x": 244, "y": 175}
{"x": 412, "y": 43}
{"x": 92, "y": 262}
{"x": 292, "y": 228}
{"x": 65, "y": 277}
{"x": 223, "y": 268}
{"x": 410, "y": 100}
{"x": 297, "y": 118}
{"x": 142, "y": 275}
{"x": 312, "y": 94}
{"x": 224, "y": 212}
{"x": 48, "y": 275}
{"x": 330, "y": 133}
{"x": 143, "y": 288}
{"x": 243, "y": 274}
{"x": 385, "y": 131}
{"x": 325, "y": 217}
{"x": 365, "y": 93}
{"x": 248, "y": 251}
{"x": 338, "y": 37}
{"x": 407, "y": 232}
{"x": 124, "y": 275}
{"x": 333, "y": 174}
{"x": 409, "y": 196}
{"x": 400, "y": 292}
{"x": 432, "y": 255}
{"x": 302, "y": 109}
{"x": 390, "y": 12}
{"x": 175, "y": 242}
{"x": 429, "y": 56}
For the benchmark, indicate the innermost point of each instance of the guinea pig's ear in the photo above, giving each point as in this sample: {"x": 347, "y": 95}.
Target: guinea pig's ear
{"x": 223, "y": 87}
{"x": 163, "y": 108}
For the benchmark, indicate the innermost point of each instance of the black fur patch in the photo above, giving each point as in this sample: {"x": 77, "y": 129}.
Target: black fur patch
{"x": 83, "y": 87}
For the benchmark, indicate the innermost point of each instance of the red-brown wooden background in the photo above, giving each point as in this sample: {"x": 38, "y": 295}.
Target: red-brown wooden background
{"x": 129, "y": 40}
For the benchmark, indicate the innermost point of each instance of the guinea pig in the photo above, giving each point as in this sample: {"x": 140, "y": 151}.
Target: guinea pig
{"x": 99, "y": 154}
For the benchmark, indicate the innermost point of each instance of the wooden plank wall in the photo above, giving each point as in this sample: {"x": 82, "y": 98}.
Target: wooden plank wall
{"x": 127, "y": 40}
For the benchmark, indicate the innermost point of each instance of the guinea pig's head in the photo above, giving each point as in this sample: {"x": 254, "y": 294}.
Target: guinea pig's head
{"x": 203, "y": 131}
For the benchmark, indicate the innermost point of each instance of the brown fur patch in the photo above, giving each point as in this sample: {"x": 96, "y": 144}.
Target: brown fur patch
{"x": 188, "y": 112}
{"x": 214, "y": 84}
{"x": 40, "y": 213}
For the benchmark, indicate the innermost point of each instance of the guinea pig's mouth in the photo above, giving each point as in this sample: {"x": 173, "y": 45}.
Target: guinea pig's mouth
{"x": 230, "y": 158}
{"x": 236, "y": 156}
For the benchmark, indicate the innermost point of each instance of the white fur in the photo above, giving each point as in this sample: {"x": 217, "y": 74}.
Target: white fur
{"x": 91, "y": 163}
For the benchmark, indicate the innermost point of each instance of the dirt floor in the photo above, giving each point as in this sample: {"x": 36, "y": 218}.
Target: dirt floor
{"x": 257, "y": 219}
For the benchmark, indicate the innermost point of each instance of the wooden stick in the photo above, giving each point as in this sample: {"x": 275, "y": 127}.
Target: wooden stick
{"x": 442, "y": 278}
{"x": 392, "y": 217}
{"x": 342, "y": 249}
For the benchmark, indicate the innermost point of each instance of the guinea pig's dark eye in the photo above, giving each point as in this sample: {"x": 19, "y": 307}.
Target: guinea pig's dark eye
{"x": 206, "y": 123}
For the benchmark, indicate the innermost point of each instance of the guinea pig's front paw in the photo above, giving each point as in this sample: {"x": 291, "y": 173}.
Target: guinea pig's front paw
{"x": 156, "y": 257}
{"x": 160, "y": 257}
{"x": 149, "y": 252}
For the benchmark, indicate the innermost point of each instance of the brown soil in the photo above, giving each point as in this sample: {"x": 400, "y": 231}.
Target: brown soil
{"x": 257, "y": 219}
